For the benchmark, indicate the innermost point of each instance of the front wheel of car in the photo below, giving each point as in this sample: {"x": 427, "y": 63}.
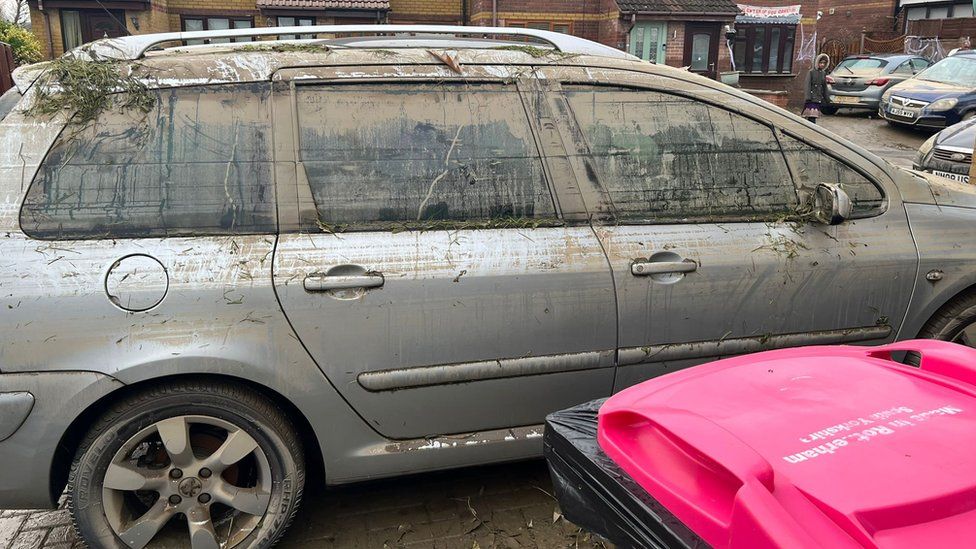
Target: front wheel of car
{"x": 955, "y": 322}
{"x": 829, "y": 111}
{"x": 194, "y": 464}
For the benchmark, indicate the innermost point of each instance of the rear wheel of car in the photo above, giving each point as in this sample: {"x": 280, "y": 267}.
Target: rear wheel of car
{"x": 193, "y": 464}
{"x": 829, "y": 111}
{"x": 956, "y": 322}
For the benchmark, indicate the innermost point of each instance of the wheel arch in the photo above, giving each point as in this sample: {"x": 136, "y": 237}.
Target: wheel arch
{"x": 78, "y": 428}
{"x": 936, "y": 306}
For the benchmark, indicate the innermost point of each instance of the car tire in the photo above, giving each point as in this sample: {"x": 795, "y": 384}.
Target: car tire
{"x": 829, "y": 111}
{"x": 968, "y": 116}
{"x": 240, "y": 463}
{"x": 951, "y": 321}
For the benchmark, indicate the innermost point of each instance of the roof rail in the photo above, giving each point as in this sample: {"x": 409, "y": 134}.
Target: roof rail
{"x": 131, "y": 48}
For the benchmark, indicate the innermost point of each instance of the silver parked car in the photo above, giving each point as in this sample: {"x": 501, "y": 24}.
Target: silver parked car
{"x": 259, "y": 263}
{"x": 859, "y": 82}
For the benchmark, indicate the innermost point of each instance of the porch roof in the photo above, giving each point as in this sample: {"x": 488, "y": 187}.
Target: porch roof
{"x": 322, "y": 5}
{"x": 679, "y": 7}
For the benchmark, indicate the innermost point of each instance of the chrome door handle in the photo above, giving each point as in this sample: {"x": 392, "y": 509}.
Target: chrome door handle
{"x": 642, "y": 267}
{"x": 326, "y": 283}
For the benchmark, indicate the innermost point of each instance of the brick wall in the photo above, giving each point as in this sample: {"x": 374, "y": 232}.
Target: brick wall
{"x": 448, "y": 12}
{"x": 849, "y": 18}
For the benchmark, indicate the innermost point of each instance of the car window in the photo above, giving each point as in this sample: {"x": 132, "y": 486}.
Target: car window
{"x": 920, "y": 64}
{"x": 420, "y": 155}
{"x": 813, "y": 166}
{"x": 905, "y": 68}
{"x": 952, "y": 70}
{"x": 198, "y": 163}
{"x": 860, "y": 65}
{"x": 663, "y": 157}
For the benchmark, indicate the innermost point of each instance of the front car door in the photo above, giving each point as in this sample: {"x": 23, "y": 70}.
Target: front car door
{"x": 433, "y": 273}
{"x": 698, "y": 199}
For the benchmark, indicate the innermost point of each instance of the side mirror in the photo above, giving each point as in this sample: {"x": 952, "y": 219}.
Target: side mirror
{"x": 831, "y": 204}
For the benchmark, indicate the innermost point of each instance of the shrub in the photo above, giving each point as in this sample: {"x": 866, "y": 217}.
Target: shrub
{"x": 27, "y": 49}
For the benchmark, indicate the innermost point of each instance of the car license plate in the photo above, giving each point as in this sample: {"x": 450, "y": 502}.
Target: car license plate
{"x": 901, "y": 112}
{"x": 953, "y": 176}
{"x": 846, "y": 100}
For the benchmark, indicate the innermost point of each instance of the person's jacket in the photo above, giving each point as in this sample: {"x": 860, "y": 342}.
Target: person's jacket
{"x": 816, "y": 86}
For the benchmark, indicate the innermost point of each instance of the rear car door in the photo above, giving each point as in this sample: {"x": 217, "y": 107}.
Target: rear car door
{"x": 698, "y": 200}
{"x": 428, "y": 266}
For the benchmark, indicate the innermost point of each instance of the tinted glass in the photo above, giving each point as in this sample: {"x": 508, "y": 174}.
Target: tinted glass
{"x": 663, "y": 157}
{"x": 813, "y": 166}
{"x": 409, "y": 155}
{"x": 199, "y": 163}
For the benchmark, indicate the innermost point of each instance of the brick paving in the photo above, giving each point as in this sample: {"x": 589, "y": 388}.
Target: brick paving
{"x": 508, "y": 506}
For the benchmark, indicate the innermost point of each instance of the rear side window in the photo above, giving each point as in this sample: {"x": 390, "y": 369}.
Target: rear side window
{"x": 813, "y": 166}
{"x": 663, "y": 157}
{"x": 420, "y": 156}
{"x": 198, "y": 164}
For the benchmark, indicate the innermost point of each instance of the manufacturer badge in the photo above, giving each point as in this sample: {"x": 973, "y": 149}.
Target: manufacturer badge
{"x": 957, "y": 157}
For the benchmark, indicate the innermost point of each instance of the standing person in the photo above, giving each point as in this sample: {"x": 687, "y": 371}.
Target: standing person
{"x": 816, "y": 89}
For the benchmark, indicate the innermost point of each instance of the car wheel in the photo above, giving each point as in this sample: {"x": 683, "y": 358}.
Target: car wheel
{"x": 969, "y": 116}
{"x": 192, "y": 464}
{"x": 829, "y": 111}
{"x": 954, "y": 322}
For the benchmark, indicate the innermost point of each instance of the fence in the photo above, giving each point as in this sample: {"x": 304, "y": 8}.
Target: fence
{"x": 6, "y": 67}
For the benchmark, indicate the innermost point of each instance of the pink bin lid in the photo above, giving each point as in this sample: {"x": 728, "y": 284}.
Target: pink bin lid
{"x": 811, "y": 447}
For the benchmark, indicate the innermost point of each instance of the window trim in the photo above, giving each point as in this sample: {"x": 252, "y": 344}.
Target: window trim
{"x": 558, "y": 218}
{"x": 747, "y": 35}
{"x": 206, "y": 23}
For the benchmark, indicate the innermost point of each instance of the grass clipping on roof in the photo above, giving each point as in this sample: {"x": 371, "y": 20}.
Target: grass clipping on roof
{"x": 88, "y": 87}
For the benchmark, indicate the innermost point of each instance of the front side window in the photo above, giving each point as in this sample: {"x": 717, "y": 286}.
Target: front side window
{"x": 665, "y": 158}
{"x": 198, "y": 164}
{"x": 764, "y": 48}
{"x": 812, "y": 166}
{"x": 420, "y": 156}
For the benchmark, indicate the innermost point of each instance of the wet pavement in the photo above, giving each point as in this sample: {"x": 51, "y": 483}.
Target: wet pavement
{"x": 497, "y": 506}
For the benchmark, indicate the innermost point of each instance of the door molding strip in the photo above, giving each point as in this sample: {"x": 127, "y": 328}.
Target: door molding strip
{"x": 633, "y": 356}
{"x": 445, "y": 374}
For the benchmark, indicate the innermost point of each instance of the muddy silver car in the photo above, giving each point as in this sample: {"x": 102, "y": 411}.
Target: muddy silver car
{"x": 260, "y": 264}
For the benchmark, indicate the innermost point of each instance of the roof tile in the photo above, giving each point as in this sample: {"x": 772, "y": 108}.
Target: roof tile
{"x": 325, "y": 4}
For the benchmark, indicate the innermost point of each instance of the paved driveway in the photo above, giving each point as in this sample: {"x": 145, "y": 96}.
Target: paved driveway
{"x": 498, "y": 506}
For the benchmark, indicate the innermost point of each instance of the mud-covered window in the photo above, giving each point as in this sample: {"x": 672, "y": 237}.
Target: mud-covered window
{"x": 663, "y": 157}
{"x": 812, "y": 166}
{"x": 197, "y": 164}
{"x": 421, "y": 156}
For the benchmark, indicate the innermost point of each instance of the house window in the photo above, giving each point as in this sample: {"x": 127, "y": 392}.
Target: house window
{"x": 71, "y": 29}
{"x": 962, "y": 10}
{"x": 216, "y": 23}
{"x": 764, "y": 49}
{"x": 288, "y": 21}
{"x": 564, "y": 27}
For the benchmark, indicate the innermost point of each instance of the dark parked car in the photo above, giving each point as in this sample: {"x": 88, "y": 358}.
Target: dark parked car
{"x": 858, "y": 82}
{"x": 949, "y": 153}
{"x": 940, "y": 96}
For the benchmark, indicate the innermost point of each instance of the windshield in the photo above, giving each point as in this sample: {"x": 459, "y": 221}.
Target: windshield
{"x": 855, "y": 66}
{"x": 952, "y": 70}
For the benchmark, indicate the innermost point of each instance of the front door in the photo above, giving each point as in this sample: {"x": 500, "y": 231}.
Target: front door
{"x": 647, "y": 40}
{"x": 438, "y": 280}
{"x": 709, "y": 255}
{"x": 701, "y": 48}
{"x": 104, "y": 24}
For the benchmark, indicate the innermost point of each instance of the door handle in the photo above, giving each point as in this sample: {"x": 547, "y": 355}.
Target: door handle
{"x": 642, "y": 267}
{"x": 324, "y": 283}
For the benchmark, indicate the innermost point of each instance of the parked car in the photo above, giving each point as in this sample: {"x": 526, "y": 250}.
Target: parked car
{"x": 949, "y": 153}
{"x": 261, "y": 264}
{"x": 859, "y": 81}
{"x": 940, "y": 96}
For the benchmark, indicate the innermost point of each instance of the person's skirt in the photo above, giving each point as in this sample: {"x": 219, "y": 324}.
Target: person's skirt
{"x": 811, "y": 110}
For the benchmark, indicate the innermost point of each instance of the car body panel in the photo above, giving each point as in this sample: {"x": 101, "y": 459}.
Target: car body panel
{"x": 852, "y": 89}
{"x": 221, "y": 315}
{"x": 914, "y": 96}
{"x": 951, "y": 152}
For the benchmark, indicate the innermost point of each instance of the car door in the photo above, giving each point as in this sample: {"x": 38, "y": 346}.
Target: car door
{"x": 699, "y": 212}
{"x": 432, "y": 272}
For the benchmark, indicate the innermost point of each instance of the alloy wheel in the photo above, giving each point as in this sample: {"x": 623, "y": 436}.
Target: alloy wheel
{"x": 200, "y": 470}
